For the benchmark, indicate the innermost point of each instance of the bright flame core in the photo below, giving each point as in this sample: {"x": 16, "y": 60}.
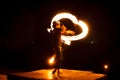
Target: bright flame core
{"x": 67, "y": 39}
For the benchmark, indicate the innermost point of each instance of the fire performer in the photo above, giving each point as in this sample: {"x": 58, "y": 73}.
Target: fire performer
{"x": 56, "y": 36}
{"x": 59, "y": 29}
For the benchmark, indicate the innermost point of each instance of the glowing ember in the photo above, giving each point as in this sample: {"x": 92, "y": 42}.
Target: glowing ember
{"x": 67, "y": 39}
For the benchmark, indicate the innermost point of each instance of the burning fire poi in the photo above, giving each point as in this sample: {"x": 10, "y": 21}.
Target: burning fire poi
{"x": 52, "y": 59}
{"x": 67, "y": 39}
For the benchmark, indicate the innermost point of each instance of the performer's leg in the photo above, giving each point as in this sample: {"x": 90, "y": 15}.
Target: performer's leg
{"x": 53, "y": 72}
{"x": 58, "y": 72}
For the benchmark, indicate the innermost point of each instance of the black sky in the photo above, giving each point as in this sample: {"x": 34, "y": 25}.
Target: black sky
{"x": 25, "y": 43}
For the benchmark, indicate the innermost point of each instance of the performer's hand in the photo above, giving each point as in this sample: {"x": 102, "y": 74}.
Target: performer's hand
{"x": 70, "y": 32}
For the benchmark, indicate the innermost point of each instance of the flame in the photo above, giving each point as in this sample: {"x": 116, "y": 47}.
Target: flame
{"x": 52, "y": 60}
{"x": 106, "y": 66}
{"x": 67, "y": 39}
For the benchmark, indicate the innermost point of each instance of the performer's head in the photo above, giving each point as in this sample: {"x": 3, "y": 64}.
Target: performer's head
{"x": 56, "y": 24}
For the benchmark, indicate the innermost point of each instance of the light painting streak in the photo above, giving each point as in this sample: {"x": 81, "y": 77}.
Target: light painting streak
{"x": 67, "y": 39}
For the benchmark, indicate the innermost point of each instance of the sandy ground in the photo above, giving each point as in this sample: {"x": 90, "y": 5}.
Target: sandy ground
{"x": 3, "y": 77}
{"x": 65, "y": 74}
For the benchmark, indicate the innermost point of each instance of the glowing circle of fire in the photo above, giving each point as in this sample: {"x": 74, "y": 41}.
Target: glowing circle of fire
{"x": 83, "y": 25}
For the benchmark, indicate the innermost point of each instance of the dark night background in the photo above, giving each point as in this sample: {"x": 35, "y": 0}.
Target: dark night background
{"x": 25, "y": 43}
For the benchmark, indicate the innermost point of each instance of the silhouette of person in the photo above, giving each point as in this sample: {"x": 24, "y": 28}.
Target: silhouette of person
{"x": 56, "y": 41}
{"x": 59, "y": 29}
